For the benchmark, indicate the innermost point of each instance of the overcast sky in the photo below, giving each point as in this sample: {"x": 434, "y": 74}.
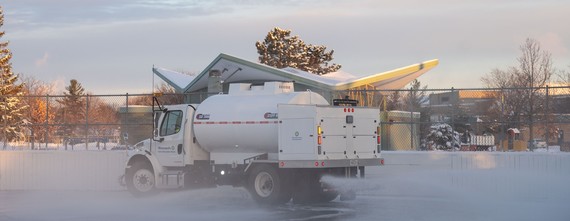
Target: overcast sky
{"x": 110, "y": 46}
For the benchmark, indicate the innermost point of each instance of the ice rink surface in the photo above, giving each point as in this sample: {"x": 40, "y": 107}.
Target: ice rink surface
{"x": 386, "y": 194}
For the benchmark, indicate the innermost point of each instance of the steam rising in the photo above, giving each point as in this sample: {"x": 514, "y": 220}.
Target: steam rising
{"x": 387, "y": 194}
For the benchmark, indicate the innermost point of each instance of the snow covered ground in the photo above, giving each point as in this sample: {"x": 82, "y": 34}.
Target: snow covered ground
{"x": 389, "y": 193}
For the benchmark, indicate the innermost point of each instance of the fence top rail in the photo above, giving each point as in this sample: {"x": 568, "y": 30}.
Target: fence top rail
{"x": 106, "y": 95}
{"x": 459, "y": 89}
{"x": 351, "y": 90}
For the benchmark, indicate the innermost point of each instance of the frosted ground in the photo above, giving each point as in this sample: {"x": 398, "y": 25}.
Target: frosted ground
{"x": 389, "y": 193}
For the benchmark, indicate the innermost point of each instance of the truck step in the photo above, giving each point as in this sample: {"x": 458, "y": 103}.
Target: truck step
{"x": 172, "y": 179}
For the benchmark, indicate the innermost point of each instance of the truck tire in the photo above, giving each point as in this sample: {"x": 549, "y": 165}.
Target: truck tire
{"x": 266, "y": 186}
{"x": 140, "y": 179}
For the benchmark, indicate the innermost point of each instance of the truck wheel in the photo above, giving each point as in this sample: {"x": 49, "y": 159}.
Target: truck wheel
{"x": 140, "y": 180}
{"x": 267, "y": 187}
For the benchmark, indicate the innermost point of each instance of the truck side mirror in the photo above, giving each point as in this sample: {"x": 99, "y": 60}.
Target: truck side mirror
{"x": 155, "y": 133}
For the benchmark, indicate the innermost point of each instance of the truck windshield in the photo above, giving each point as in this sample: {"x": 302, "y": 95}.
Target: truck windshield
{"x": 171, "y": 123}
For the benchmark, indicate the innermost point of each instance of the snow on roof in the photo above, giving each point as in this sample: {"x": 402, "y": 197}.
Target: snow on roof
{"x": 333, "y": 78}
{"x": 235, "y": 69}
{"x": 515, "y": 130}
{"x": 176, "y": 79}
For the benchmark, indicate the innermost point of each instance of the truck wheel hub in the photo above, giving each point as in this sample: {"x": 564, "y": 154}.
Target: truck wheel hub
{"x": 143, "y": 180}
{"x": 263, "y": 184}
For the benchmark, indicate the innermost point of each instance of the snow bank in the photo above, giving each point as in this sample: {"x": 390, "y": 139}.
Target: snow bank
{"x": 61, "y": 170}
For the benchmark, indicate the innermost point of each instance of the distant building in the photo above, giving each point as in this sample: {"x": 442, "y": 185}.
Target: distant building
{"x": 473, "y": 103}
{"x": 226, "y": 69}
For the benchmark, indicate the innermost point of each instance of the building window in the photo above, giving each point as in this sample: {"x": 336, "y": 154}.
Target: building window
{"x": 444, "y": 99}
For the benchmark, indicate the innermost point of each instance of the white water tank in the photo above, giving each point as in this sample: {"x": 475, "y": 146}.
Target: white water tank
{"x": 245, "y": 120}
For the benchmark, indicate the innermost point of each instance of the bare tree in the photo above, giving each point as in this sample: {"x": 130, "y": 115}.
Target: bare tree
{"x": 535, "y": 65}
{"x": 526, "y": 102}
{"x": 564, "y": 78}
{"x": 35, "y": 87}
{"x": 562, "y": 105}
{"x": 168, "y": 96}
{"x": 41, "y": 112}
{"x": 103, "y": 119}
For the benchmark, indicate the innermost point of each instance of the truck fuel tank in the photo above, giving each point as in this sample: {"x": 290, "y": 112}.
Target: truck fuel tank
{"x": 245, "y": 120}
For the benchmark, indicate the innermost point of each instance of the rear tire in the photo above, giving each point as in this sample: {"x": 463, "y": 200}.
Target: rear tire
{"x": 140, "y": 180}
{"x": 267, "y": 186}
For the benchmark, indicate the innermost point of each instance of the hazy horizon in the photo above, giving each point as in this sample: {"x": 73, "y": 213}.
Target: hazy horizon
{"x": 111, "y": 46}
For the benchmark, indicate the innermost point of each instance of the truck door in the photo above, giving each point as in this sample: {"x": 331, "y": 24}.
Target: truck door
{"x": 168, "y": 143}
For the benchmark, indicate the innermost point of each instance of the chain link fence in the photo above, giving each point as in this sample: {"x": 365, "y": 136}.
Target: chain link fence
{"x": 89, "y": 122}
{"x": 504, "y": 119}
{"x": 478, "y": 119}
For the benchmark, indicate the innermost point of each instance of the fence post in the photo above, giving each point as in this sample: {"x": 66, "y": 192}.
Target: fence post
{"x": 87, "y": 122}
{"x": 46, "y": 124}
{"x": 31, "y": 136}
{"x": 546, "y": 113}
{"x": 412, "y": 122}
{"x": 502, "y": 121}
{"x": 453, "y": 106}
{"x": 126, "y": 124}
{"x": 383, "y": 128}
{"x": 531, "y": 115}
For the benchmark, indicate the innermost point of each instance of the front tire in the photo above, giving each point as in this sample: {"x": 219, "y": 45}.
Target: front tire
{"x": 266, "y": 186}
{"x": 140, "y": 180}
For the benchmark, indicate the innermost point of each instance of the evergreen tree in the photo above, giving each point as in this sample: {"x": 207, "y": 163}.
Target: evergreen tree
{"x": 11, "y": 108}
{"x": 280, "y": 50}
{"x": 73, "y": 111}
{"x": 416, "y": 97}
{"x": 442, "y": 137}
{"x": 394, "y": 101}
{"x": 415, "y": 100}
